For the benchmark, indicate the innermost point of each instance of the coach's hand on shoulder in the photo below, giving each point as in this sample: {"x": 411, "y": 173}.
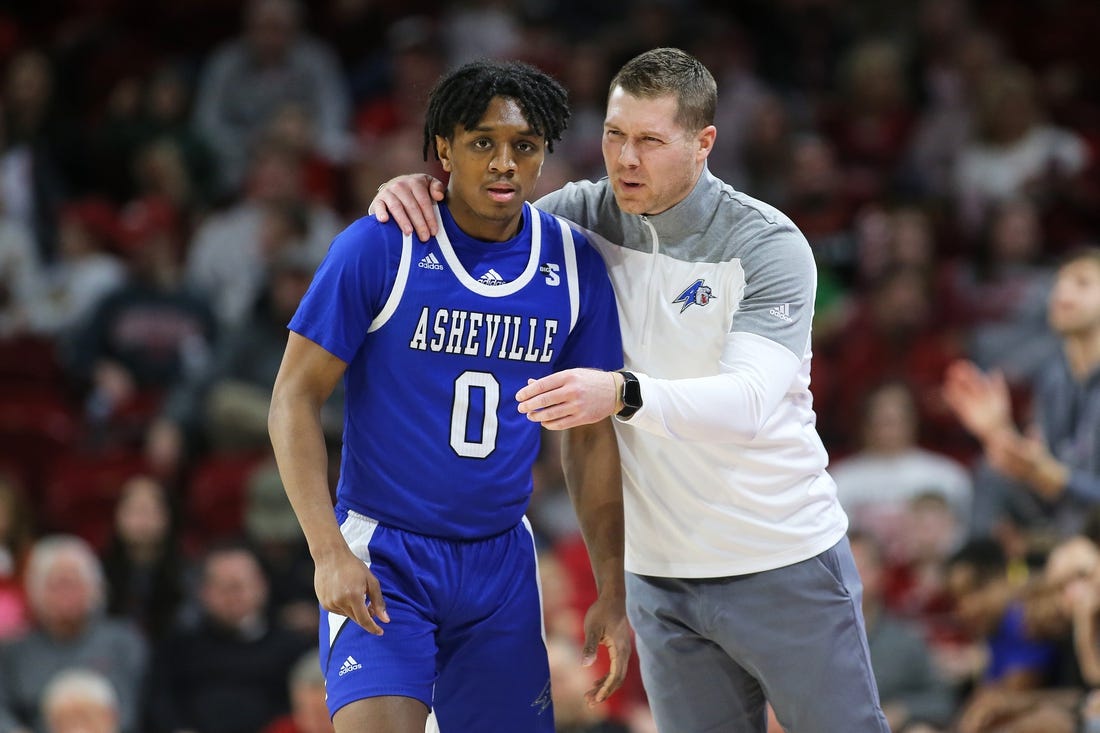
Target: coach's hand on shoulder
{"x": 409, "y": 200}
{"x": 606, "y": 624}
{"x": 345, "y": 585}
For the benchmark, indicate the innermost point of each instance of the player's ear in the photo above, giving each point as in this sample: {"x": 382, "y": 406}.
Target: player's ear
{"x": 443, "y": 150}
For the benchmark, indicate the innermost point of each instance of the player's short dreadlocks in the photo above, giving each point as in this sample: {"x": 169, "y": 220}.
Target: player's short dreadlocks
{"x": 461, "y": 98}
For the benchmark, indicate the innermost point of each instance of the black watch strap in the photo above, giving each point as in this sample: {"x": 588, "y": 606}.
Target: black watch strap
{"x": 631, "y": 396}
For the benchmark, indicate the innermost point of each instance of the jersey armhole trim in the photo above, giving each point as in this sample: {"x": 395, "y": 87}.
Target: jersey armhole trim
{"x": 569, "y": 250}
{"x": 398, "y": 286}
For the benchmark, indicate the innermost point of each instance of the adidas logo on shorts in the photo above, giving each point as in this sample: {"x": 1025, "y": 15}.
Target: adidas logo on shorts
{"x": 349, "y": 665}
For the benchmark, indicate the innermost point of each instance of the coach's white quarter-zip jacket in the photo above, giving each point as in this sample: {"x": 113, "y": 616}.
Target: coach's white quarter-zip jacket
{"x": 723, "y": 470}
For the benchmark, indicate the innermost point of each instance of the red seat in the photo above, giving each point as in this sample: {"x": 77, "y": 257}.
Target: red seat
{"x": 29, "y": 360}
{"x": 14, "y": 472}
{"x": 127, "y": 426}
{"x": 216, "y": 494}
{"x": 37, "y": 428}
{"x": 82, "y": 490}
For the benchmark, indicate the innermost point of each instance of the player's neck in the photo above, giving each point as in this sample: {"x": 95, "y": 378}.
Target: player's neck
{"x": 482, "y": 228}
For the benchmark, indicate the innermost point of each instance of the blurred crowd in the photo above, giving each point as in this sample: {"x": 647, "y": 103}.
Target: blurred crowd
{"x": 172, "y": 173}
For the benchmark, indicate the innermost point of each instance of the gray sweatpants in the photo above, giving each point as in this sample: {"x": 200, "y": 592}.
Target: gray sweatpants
{"x": 714, "y": 650}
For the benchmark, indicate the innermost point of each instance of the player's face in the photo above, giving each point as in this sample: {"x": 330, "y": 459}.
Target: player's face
{"x": 1075, "y": 301}
{"x": 652, "y": 161}
{"x": 493, "y": 168}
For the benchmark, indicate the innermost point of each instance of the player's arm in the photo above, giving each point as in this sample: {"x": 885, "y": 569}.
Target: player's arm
{"x": 409, "y": 200}
{"x": 307, "y": 376}
{"x": 590, "y": 457}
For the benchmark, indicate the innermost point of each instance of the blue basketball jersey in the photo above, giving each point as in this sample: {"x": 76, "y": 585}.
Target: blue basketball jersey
{"x": 439, "y": 337}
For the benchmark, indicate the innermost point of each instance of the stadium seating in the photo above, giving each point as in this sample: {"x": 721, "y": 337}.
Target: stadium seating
{"x": 37, "y": 428}
{"x": 215, "y": 497}
{"x": 81, "y": 491}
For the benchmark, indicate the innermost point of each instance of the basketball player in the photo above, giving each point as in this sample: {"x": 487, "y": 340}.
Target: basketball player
{"x": 427, "y": 569}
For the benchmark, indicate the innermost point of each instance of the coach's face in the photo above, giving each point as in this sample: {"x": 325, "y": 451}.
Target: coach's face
{"x": 652, "y": 161}
{"x": 493, "y": 168}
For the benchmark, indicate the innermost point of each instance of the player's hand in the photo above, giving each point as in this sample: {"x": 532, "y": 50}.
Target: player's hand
{"x": 345, "y": 585}
{"x": 569, "y": 398}
{"x": 606, "y": 624}
{"x": 408, "y": 200}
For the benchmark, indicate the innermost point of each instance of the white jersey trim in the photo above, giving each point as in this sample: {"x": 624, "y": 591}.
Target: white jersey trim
{"x": 569, "y": 248}
{"x": 504, "y": 289}
{"x": 358, "y": 531}
{"x": 538, "y": 575}
{"x": 399, "y": 283}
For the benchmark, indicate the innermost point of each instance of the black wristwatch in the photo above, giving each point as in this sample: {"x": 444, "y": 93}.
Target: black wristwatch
{"x": 632, "y": 395}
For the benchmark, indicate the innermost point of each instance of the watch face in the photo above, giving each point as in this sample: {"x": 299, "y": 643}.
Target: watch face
{"x": 632, "y": 391}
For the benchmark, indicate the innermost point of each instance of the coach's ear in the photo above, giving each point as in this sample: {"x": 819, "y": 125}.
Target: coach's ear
{"x": 705, "y": 142}
{"x": 443, "y": 150}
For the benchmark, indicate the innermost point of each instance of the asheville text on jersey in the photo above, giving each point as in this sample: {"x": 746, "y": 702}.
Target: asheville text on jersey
{"x": 485, "y": 334}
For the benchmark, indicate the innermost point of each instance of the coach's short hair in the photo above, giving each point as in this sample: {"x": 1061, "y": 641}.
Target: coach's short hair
{"x": 664, "y": 71}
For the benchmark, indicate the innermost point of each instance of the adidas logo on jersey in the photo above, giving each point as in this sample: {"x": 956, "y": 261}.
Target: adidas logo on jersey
{"x": 492, "y": 277}
{"x": 349, "y": 665}
{"x": 782, "y": 312}
{"x": 430, "y": 262}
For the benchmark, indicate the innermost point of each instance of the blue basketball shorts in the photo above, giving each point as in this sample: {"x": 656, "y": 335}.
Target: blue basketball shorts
{"x": 465, "y": 635}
